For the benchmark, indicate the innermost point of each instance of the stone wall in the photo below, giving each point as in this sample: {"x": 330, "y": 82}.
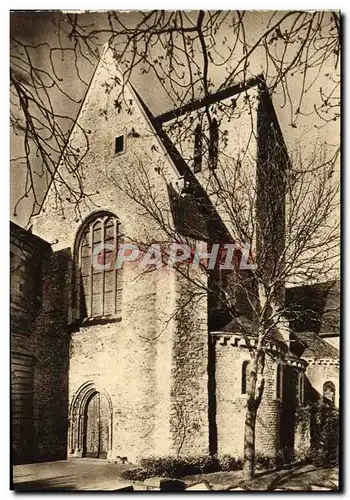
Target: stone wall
{"x": 50, "y": 344}
{"x": 130, "y": 360}
{"x": 22, "y": 406}
{"x": 318, "y": 372}
{"x": 230, "y": 402}
{"x": 189, "y": 372}
{"x": 237, "y": 150}
{"x": 27, "y": 253}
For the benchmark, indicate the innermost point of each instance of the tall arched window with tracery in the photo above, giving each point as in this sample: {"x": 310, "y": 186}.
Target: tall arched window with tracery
{"x": 98, "y": 284}
{"x": 213, "y": 143}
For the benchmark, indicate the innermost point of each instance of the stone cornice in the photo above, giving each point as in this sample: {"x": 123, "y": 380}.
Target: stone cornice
{"x": 236, "y": 339}
{"x": 296, "y": 362}
{"x": 322, "y": 361}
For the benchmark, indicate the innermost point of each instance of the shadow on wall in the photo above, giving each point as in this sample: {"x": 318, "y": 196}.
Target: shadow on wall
{"x": 312, "y": 397}
{"x": 51, "y": 349}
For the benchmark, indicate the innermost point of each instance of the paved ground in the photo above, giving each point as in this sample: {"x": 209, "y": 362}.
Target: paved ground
{"x": 309, "y": 478}
{"x": 74, "y": 474}
{"x": 90, "y": 474}
{"x": 302, "y": 478}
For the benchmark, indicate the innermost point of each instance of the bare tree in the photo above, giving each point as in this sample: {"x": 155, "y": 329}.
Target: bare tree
{"x": 187, "y": 55}
{"x": 287, "y": 211}
{"x": 294, "y": 221}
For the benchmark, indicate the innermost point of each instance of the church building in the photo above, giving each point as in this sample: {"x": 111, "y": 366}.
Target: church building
{"x": 101, "y": 365}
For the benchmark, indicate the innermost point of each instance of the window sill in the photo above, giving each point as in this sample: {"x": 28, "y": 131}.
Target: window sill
{"x": 120, "y": 153}
{"x": 100, "y": 320}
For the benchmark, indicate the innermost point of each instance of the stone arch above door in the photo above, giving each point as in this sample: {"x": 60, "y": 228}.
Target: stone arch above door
{"x": 78, "y": 416}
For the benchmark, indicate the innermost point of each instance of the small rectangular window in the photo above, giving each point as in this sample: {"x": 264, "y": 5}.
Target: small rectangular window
{"x": 197, "y": 149}
{"x": 301, "y": 389}
{"x": 213, "y": 144}
{"x": 119, "y": 146}
{"x": 245, "y": 366}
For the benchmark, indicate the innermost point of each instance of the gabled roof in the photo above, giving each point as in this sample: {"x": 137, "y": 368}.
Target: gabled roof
{"x": 216, "y": 229}
{"x": 210, "y": 99}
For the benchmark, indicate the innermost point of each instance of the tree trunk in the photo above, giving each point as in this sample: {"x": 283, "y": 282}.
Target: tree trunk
{"x": 249, "y": 442}
{"x": 255, "y": 392}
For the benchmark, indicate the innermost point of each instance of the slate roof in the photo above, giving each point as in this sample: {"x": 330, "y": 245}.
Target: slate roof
{"x": 315, "y": 308}
{"x": 315, "y": 347}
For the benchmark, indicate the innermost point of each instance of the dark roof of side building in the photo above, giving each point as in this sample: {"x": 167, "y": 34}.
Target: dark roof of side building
{"x": 315, "y": 308}
{"x": 315, "y": 347}
{"x": 26, "y": 236}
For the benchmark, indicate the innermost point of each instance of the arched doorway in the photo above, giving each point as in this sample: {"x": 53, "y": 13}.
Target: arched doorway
{"x": 90, "y": 423}
{"x": 96, "y": 429}
{"x": 288, "y": 385}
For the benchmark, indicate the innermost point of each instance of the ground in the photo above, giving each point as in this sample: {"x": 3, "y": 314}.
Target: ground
{"x": 90, "y": 474}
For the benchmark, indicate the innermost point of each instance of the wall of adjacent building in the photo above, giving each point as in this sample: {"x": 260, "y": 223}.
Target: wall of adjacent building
{"x": 320, "y": 371}
{"x": 26, "y": 254}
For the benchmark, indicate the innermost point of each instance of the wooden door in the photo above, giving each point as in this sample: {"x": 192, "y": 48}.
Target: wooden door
{"x": 92, "y": 418}
{"x": 96, "y": 427}
{"x": 104, "y": 426}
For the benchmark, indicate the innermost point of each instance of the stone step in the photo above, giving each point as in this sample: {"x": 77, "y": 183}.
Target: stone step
{"x": 165, "y": 484}
{"x": 204, "y": 486}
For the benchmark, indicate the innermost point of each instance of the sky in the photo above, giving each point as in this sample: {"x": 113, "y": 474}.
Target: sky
{"x": 41, "y": 29}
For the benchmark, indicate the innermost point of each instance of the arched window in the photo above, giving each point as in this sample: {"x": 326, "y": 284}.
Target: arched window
{"x": 213, "y": 143}
{"x": 329, "y": 393}
{"x": 198, "y": 149}
{"x": 244, "y": 376}
{"x": 279, "y": 382}
{"x": 301, "y": 388}
{"x": 98, "y": 283}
